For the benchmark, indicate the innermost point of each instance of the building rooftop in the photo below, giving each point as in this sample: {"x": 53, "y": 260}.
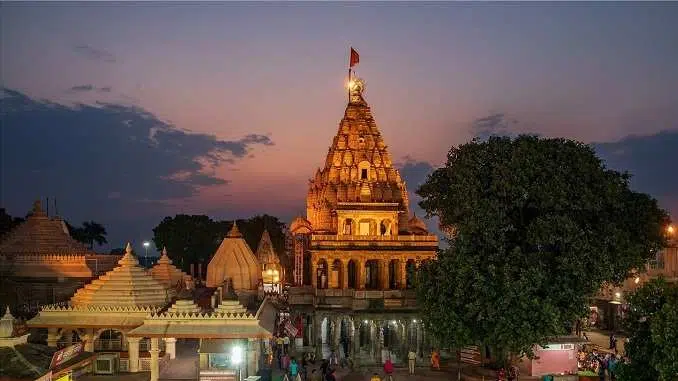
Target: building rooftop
{"x": 234, "y": 260}
{"x": 166, "y": 273}
{"x": 126, "y": 285}
{"x": 42, "y": 235}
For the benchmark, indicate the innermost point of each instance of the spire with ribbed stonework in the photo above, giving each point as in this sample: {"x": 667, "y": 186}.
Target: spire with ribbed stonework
{"x": 358, "y": 167}
{"x": 265, "y": 252}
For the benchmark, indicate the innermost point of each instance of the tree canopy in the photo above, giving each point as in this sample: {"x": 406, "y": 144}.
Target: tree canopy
{"x": 7, "y": 222}
{"x": 539, "y": 225}
{"x": 89, "y": 233}
{"x": 195, "y": 238}
{"x": 652, "y": 323}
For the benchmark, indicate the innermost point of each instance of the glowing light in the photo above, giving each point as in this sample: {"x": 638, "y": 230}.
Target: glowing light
{"x": 269, "y": 272}
{"x": 393, "y": 321}
{"x": 636, "y": 280}
{"x": 617, "y": 295}
{"x": 670, "y": 229}
{"x": 147, "y": 244}
{"x": 236, "y": 355}
{"x": 365, "y": 321}
{"x": 414, "y": 320}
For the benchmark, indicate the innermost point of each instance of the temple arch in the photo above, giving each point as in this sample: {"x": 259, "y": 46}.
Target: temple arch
{"x": 393, "y": 269}
{"x": 336, "y": 276}
{"x": 321, "y": 274}
{"x": 372, "y": 275}
{"x": 110, "y": 340}
{"x": 410, "y": 268}
{"x": 352, "y": 270}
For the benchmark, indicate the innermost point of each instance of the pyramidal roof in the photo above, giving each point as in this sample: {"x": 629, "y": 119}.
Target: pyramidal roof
{"x": 358, "y": 166}
{"x": 165, "y": 272}
{"x": 126, "y": 285}
{"x": 234, "y": 259}
{"x": 265, "y": 252}
{"x": 42, "y": 235}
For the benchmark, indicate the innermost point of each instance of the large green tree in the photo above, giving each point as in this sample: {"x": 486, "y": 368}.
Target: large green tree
{"x": 652, "y": 323}
{"x": 539, "y": 225}
{"x": 195, "y": 238}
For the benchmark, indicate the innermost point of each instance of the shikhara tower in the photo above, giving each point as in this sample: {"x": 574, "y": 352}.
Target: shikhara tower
{"x": 358, "y": 247}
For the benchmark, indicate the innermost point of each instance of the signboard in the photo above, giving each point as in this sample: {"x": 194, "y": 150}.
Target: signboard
{"x": 470, "y": 355}
{"x": 290, "y": 329}
{"x": 64, "y": 355}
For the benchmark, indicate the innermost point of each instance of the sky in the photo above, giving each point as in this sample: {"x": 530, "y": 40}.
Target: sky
{"x": 126, "y": 113}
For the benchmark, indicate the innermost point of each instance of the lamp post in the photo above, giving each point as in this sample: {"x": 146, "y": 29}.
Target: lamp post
{"x": 146, "y": 245}
{"x": 236, "y": 359}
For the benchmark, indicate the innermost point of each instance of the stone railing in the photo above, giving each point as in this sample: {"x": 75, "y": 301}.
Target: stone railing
{"x": 101, "y": 345}
{"x": 400, "y": 238}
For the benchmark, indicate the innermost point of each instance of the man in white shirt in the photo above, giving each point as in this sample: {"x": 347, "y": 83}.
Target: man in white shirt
{"x": 411, "y": 359}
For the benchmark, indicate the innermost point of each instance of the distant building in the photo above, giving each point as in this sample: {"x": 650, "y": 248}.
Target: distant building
{"x": 40, "y": 263}
{"x": 610, "y": 304}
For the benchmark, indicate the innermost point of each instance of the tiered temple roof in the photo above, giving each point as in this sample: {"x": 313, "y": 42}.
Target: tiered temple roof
{"x": 126, "y": 285}
{"x": 231, "y": 321}
{"x": 265, "y": 252}
{"x": 234, "y": 260}
{"x": 166, "y": 273}
{"x": 42, "y": 235}
{"x": 358, "y": 168}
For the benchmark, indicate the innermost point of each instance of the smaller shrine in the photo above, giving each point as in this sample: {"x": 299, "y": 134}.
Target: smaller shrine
{"x": 234, "y": 260}
{"x": 272, "y": 272}
{"x": 167, "y": 274}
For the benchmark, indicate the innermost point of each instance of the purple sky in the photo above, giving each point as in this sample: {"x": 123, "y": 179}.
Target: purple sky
{"x": 597, "y": 72}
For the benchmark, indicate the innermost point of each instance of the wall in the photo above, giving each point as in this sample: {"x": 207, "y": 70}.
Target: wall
{"x": 554, "y": 362}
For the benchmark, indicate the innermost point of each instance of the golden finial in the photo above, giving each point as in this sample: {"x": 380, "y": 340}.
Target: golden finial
{"x": 234, "y": 233}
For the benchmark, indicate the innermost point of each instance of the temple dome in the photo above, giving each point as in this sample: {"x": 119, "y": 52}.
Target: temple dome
{"x": 417, "y": 226}
{"x": 42, "y": 235}
{"x": 234, "y": 260}
{"x": 126, "y": 285}
{"x": 166, "y": 273}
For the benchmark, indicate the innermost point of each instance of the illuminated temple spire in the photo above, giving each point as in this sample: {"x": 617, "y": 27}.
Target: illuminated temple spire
{"x": 358, "y": 168}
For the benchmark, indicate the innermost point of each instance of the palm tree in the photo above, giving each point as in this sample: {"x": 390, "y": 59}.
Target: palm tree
{"x": 94, "y": 233}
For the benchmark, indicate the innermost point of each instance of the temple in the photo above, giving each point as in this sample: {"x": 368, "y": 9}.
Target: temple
{"x": 357, "y": 249}
{"x": 44, "y": 264}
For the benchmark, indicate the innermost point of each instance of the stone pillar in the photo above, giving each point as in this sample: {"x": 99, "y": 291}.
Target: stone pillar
{"x": 52, "y": 337}
{"x": 383, "y": 274}
{"x": 402, "y": 274}
{"x": 318, "y": 323}
{"x": 88, "y": 338}
{"x": 252, "y": 360}
{"x": 155, "y": 360}
{"x": 360, "y": 269}
{"x": 133, "y": 350}
{"x": 355, "y": 338}
{"x": 314, "y": 272}
{"x": 336, "y": 334}
{"x": 171, "y": 347}
{"x": 344, "y": 274}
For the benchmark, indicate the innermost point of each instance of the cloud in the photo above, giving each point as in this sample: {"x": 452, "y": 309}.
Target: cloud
{"x": 82, "y": 88}
{"x": 415, "y": 173}
{"x": 651, "y": 160}
{"x": 90, "y": 87}
{"x": 94, "y": 54}
{"x": 106, "y": 160}
{"x": 497, "y": 124}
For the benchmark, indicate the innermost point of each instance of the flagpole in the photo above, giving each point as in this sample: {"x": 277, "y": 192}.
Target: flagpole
{"x": 349, "y": 84}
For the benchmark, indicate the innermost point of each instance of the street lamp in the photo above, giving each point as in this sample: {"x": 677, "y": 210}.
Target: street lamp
{"x": 236, "y": 359}
{"x": 146, "y": 245}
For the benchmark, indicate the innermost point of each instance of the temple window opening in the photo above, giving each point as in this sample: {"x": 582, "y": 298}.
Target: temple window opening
{"x": 352, "y": 274}
{"x": 363, "y": 174}
{"x": 348, "y": 226}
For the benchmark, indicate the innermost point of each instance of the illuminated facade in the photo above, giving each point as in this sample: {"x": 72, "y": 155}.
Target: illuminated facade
{"x": 358, "y": 248}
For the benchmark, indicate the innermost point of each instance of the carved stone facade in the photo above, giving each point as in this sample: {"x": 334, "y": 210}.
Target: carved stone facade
{"x": 358, "y": 247}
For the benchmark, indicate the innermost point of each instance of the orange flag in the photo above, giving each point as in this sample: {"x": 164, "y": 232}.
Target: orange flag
{"x": 355, "y": 58}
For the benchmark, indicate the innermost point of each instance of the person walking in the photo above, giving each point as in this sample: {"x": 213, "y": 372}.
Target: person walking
{"x": 388, "y": 369}
{"x": 612, "y": 367}
{"x": 435, "y": 360}
{"x": 294, "y": 370}
{"x": 411, "y": 360}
